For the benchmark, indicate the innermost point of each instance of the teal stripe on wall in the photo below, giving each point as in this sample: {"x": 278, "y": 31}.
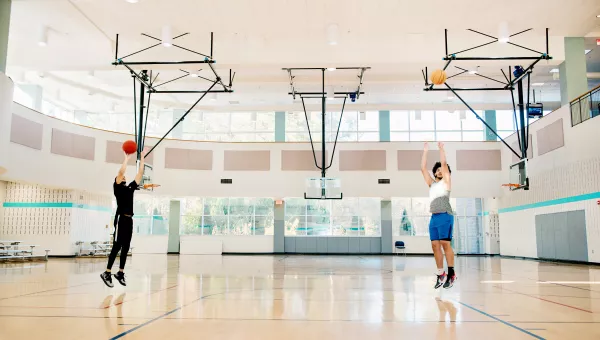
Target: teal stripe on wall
{"x": 280, "y": 126}
{"x": 564, "y": 200}
{"x": 53, "y": 205}
{"x": 384, "y": 126}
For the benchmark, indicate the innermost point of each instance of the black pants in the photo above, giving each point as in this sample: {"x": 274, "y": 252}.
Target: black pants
{"x": 122, "y": 241}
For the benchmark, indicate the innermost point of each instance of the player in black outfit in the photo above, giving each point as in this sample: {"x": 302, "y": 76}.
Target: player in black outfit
{"x": 123, "y": 220}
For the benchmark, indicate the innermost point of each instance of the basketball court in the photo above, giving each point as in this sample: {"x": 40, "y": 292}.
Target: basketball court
{"x": 269, "y": 170}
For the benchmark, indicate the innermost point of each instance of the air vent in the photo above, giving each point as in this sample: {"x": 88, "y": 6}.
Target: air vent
{"x": 234, "y": 102}
{"x": 383, "y": 181}
{"x": 226, "y": 181}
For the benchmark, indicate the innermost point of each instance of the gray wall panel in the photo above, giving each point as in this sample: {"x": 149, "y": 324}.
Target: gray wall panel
{"x": 342, "y": 244}
{"x": 376, "y": 245}
{"x": 332, "y": 245}
{"x": 353, "y": 245}
{"x": 301, "y": 245}
{"x": 561, "y": 236}
{"x": 548, "y": 235}
{"x": 290, "y": 244}
{"x": 322, "y": 245}
{"x": 539, "y": 236}
{"x": 578, "y": 249}
{"x": 311, "y": 244}
{"x": 365, "y": 244}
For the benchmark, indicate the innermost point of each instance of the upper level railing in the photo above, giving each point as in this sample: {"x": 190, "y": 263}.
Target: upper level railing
{"x": 585, "y": 106}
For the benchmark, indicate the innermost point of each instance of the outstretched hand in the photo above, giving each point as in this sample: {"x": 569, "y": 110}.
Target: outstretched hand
{"x": 425, "y": 146}
{"x": 440, "y": 145}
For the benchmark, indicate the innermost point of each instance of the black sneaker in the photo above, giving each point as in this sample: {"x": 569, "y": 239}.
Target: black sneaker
{"x": 107, "y": 279}
{"x": 450, "y": 281}
{"x": 441, "y": 279}
{"x": 120, "y": 276}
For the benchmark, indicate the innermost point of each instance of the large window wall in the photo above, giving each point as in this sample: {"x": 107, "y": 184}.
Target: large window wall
{"x": 227, "y": 216}
{"x": 151, "y": 214}
{"x": 411, "y": 216}
{"x": 355, "y": 126}
{"x": 348, "y": 217}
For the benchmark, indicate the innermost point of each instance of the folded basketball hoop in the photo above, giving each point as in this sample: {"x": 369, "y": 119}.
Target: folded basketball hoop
{"x": 511, "y": 185}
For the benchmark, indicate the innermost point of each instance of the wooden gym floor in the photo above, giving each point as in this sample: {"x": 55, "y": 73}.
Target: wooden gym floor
{"x": 299, "y": 297}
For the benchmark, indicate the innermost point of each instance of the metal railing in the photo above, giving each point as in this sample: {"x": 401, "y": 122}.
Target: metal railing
{"x": 585, "y": 106}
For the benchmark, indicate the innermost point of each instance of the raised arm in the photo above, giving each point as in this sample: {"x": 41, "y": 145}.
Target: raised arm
{"x": 122, "y": 169}
{"x": 140, "y": 173}
{"x": 424, "y": 170}
{"x": 445, "y": 170}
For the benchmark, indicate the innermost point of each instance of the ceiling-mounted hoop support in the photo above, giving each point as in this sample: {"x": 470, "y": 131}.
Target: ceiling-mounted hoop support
{"x": 510, "y": 84}
{"x": 321, "y": 95}
{"x": 147, "y": 85}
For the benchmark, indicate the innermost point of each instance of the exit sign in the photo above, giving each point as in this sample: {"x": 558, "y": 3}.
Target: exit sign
{"x": 598, "y": 42}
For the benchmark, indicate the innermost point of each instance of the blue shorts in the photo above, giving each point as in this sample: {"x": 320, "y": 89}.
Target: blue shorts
{"x": 440, "y": 227}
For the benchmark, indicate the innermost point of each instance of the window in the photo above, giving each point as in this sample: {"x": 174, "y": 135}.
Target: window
{"x": 425, "y": 123}
{"x": 347, "y": 217}
{"x": 410, "y": 216}
{"x": 447, "y": 121}
{"x": 151, "y": 214}
{"x": 227, "y": 216}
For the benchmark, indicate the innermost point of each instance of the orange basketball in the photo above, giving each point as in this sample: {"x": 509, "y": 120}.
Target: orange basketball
{"x": 438, "y": 77}
{"x": 129, "y": 147}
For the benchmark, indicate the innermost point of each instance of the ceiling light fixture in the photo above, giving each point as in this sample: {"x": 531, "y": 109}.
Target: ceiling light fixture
{"x": 537, "y": 84}
{"x": 331, "y": 69}
{"x": 587, "y": 51}
{"x": 332, "y": 34}
{"x": 554, "y": 70}
{"x": 133, "y": 1}
{"x": 418, "y": 115}
{"x": 330, "y": 93}
{"x": 503, "y": 34}
{"x": 167, "y": 36}
{"x": 193, "y": 75}
{"x": 42, "y": 36}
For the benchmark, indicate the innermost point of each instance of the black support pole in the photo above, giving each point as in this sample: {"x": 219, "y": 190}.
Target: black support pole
{"x": 323, "y": 169}
{"x": 446, "y": 40}
{"x": 523, "y": 145}
{"x": 547, "y": 44}
{"x": 483, "y": 121}
{"x": 180, "y": 119}
{"x": 211, "y": 45}
{"x": 117, "y": 47}
{"x": 140, "y": 133}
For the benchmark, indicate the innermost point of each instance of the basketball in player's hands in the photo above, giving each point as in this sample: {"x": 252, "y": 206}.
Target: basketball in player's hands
{"x": 129, "y": 147}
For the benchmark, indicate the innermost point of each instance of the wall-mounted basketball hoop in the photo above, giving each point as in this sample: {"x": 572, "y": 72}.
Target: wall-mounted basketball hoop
{"x": 509, "y": 83}
{"x": 324, "y": 188}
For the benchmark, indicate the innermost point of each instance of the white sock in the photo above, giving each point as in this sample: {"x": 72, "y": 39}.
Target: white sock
{"x": 440, "y": 271}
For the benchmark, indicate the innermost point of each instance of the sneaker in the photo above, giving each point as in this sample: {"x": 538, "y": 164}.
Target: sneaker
{"x": 441, "y": 279}
{"x": 120, "y": 276}
{"x": 107, "y": 279}
{"x": 450, "y": 281}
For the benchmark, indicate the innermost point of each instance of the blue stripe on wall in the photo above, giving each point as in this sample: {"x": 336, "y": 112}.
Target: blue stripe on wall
{"x": 564, "y": 200}
{"x": 54, "y": 205}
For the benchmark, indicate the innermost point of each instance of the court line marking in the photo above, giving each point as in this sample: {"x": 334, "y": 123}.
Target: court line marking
{"x": 542, "y": 299}
{"x": 49, "y": 290}
{"x": 141, "y": 296}
{"x": 118, "y": 336}
{"x": 502, "y": 321}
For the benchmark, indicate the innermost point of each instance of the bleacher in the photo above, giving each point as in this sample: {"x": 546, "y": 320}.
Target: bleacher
{"x": 95, "y": 248}
{"x": 14, "y": 250}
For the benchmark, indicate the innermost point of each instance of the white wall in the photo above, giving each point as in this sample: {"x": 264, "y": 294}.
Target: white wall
{"x": 95, "y": 176}
{"x": 204, "y": 245}
{"x": 414, "y": 244}
{"x": 568, "y": 171}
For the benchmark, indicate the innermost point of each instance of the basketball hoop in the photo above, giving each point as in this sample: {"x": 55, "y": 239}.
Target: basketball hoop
{"x": 511, "y": 185}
